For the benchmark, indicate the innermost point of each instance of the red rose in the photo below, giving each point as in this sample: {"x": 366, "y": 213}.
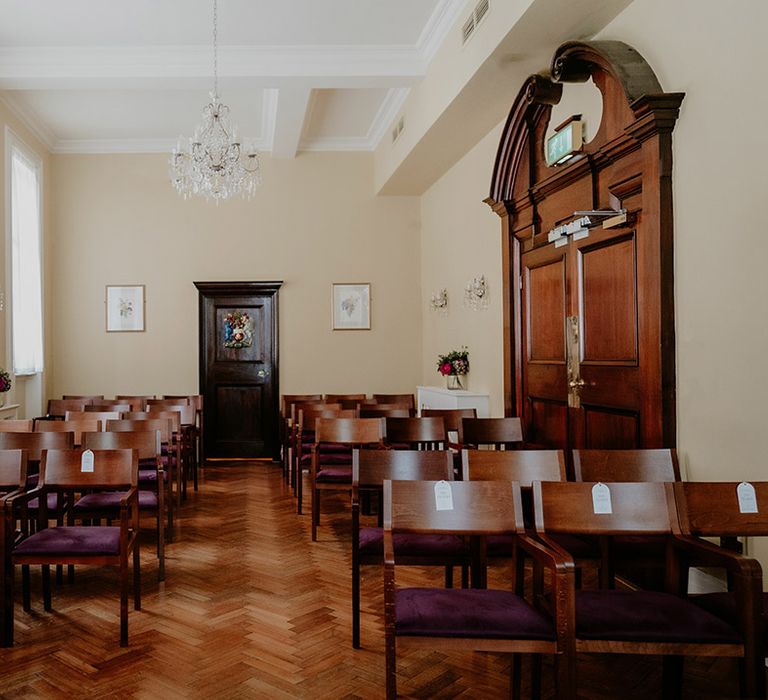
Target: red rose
{"x": 446, "y": 368}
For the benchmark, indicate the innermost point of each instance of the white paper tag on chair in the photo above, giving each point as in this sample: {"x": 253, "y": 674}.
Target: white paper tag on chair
{"x": 86, "y": 461}
{"x": 443, "y": 496}
{"x": 601, "y": 499}
{"x": 747, "y": 497}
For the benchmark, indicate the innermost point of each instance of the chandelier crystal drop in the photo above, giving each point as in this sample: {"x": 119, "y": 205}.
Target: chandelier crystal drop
{"x": 213, "y": 163}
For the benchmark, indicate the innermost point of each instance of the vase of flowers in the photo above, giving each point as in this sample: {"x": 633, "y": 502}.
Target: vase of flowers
{"x": 5, "y": 385}
{"x": 454, "y": 366}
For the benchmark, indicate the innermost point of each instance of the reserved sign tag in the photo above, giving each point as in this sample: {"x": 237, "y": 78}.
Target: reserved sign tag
{"x": 601, "y": 499}
{"x": 86, "y": 461}
{"x": 747, "y": 497}
{"x": 443, "y": 496}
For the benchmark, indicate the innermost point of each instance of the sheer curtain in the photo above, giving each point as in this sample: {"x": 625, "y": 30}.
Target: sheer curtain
{"x": 26, "y": 279}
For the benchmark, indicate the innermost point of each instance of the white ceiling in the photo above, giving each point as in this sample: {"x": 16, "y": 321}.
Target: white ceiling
{"x": 108, "y": 76}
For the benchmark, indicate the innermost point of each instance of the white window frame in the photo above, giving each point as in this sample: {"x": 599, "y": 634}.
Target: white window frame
{"x": 13, "y": 142}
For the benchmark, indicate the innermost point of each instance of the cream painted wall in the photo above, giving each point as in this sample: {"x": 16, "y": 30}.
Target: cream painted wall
{"x": 315, "y": 221}
{"x": 26, "y": 391}
{"x": 712, "y": 51}
{"x": 461, "y": 239}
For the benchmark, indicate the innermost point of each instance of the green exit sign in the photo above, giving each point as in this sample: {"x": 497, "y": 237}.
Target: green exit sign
{"x": 565, "y": 142}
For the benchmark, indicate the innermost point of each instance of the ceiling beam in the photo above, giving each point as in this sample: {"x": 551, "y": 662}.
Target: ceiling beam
{"x": 290, "y": 114}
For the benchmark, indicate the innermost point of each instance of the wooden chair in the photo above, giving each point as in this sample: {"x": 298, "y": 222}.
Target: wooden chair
{"x": 712, "y": 509}
{"x": 303, "y": 438}
{"x": 493, "y": 433}
{"x": 347, "y": 401}
{"x": 61, "y": 472}
{"x": 14, "y": 425}
{"x": 93, "y": 397}
{"x": 112, "y": 405}
{"x": 34, "y": 444}
{"x": 286, "y": 429}
{"x": 329, "y": 473}
{"x": 152, "y": 491}
{"x": 170, "y": 457}
{"x": 196, "y": 401}
{"x": 407, "y": 399}
{"x": 383, "y": 410}
{"x": 478, "y": 618}
{"x": 370, "y": 468}
{"x": 415, "y": 433}
{"x": 451, "y": 418}
{"x": 640, "y": 558}
{"x": 184, "y": 427}
{"x": 70, "y": 425}
{"x": 13, "y": 481}
{"x": 57, "y": 408}
{"x": 638, "y": 621}
{"x": 138, "y": 401}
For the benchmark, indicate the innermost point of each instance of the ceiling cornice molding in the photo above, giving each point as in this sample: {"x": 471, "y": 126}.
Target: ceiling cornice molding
{"x": 30, "y": 120}
{"x": 104, "y": 146}
{"x": 438, "y": 27}
{"x": 389, "y": 109}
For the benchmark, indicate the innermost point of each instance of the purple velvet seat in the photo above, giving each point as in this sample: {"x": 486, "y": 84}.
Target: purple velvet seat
{"x": 52, "y": 501}
{"x": 337, "y": 458}
{"x": 150, "y": 476}
{"x": 110, "y": 500}
{"x": 372, "y": 544}
{"x": 75, "y": 540}
{"x": 648, "y": 616}
{"x": 335, "y": 475}
{"x": 723, "y": 605}
{"x": 468, "y": 612}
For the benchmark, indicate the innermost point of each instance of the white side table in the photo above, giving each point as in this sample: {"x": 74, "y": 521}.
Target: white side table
{"x": 440, "y": 397}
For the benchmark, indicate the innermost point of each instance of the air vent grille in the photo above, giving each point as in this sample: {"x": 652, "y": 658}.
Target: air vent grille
{"x": 471, "y": 23}
{"x": 398, "y": 129}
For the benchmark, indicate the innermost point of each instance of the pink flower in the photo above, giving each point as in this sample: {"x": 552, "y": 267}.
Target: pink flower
{"x": 446, "y": 368}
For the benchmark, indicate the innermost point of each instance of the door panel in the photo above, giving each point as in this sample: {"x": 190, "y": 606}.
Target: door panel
{"x": 239, "y": 370}
{"x": 611, "y": 428}
{"x": 546, "y": 308}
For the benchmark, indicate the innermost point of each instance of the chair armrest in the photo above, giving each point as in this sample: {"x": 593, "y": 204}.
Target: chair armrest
{"x": 554, "y": 557}
{"x": 129, "y": 497}
{"x": 23, "y": 497}
{"x": 702, "y": 553}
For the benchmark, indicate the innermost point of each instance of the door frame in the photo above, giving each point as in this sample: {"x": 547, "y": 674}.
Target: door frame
{"x": 213, "y": 290}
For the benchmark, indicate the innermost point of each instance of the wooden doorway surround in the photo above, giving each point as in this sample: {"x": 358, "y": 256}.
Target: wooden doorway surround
{"x": 589, "y": 337}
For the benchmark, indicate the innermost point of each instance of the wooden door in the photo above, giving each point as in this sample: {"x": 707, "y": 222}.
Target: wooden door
{"x": 585, "y": 345}
{"x": 239, "y": 368}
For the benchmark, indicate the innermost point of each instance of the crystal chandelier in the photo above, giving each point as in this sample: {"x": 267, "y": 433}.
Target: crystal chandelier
{"x": 213, "y": 163}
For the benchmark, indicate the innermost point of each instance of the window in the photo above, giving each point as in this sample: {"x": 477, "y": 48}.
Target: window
{"x": 26, "y": 279}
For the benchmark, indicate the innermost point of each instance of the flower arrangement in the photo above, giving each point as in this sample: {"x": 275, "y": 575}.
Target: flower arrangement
{"x": 454, "y": 363}
{"x": 5, "y": 381}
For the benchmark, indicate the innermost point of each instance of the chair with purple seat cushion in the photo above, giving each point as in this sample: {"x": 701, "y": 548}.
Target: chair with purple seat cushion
{"x": 479, "y": 619}
{"x": 637, "y": 558}
{"x": 648, "y": 622}
{"x": 713, "y": 509}
{"x": 370, "y": 468}
{"x": 153, "y": 486}
{"x": 328, "y": 472}
{"x": 186, "y": 434}
{"x": 66, "y": 471}
{"x": 416, "y": 433}
{"x": 286, "y": 430}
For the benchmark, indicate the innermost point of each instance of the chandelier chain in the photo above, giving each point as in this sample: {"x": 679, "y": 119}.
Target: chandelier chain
{"x": 215, "y": 48}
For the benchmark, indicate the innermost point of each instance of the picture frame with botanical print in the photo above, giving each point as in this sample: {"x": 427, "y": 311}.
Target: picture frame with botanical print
{"x": 125, "y": 308}
{"x": 351, "y": 310}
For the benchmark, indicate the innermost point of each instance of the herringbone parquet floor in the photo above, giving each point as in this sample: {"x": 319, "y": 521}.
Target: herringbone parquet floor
{"x": 251, "y": 608}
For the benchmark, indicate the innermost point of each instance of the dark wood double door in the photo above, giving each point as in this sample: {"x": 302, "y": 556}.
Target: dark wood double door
{"x": 239, "y": 368}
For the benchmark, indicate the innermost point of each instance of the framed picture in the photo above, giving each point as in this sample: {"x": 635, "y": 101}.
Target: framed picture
{"x": 125, "y": 308}
{"x": 352, "y": 307}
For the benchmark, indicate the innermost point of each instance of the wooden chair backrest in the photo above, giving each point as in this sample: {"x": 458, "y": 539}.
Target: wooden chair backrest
{"x": 479, "y": 508}
{"x": 287, "y": 400}
{"x": 367, "y": 410}
{"x": 89, "y": 416}
{"x": 346, "y": 400}
{"x": 350, "y": 431}
{"x": 13, "y": 469}
{"x": 15, "y": 425}
{"x": 370, "y": 468}
{"x": 451, "y": 416}
{"x": 76, "y": 427}
{"x": 137, "y": 401}
{"x": 415, "y": 430}
{"x": 711, "y": 509}
{"x": 146, "y": 442}
{"x": 173, "y": 416}
{"x": 59, "y": 407}
{"x": 112, "y": 405}
{"x": 167, "y": 403}
{"x": 626, "y": 465}
{"x": 646, "y": 507}
{"x": 490, "y": 431}
{"x": 34, "y": 443}
{"x": 112, "y": 469}
{"x": 138, "y": 424}
{"x": 93, "y": 397}
{"x": 187, "y": 413}
{"x": 407, "y": 399}
{"x": 523, "y": 466}
{"x": 297, "y": 407}
{"x": 305, "y": 416}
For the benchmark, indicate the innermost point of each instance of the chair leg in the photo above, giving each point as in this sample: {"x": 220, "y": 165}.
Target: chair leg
{"x": 315, "y": 514}
{"x": 299, "y": 489}
{"x": 565, "y": 675}
{"x": 355, "y": 603}
{"x": 464, "y": 576}
{"x": 70, "y": 573}
{"x": 123, "y": 602}
{"x": 535, "y": 676}
{"x": 136, "y": 578}
{"x": 46, "y": 570}
{"x": 25, "y": 597}
{"x": 515, "y": 674}
{"x": 6, "y": 634}
{"x": 752, "y": 676}
{"x": 391, "y": 666}
{"x": 672, "y": 677}
{"x": 160, "y": 547}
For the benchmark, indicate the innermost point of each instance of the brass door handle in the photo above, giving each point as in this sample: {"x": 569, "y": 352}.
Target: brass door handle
{"x": 576, "y": 383}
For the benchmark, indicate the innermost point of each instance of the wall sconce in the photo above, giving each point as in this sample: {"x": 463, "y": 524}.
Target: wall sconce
{"x": 439, "y": 301}
{"x": 476, "y": 294}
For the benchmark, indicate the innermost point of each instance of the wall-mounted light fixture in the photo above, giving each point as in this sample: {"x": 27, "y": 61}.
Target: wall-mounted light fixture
{"x": 439, "y": 301}
{"x": 476, "y": 294}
